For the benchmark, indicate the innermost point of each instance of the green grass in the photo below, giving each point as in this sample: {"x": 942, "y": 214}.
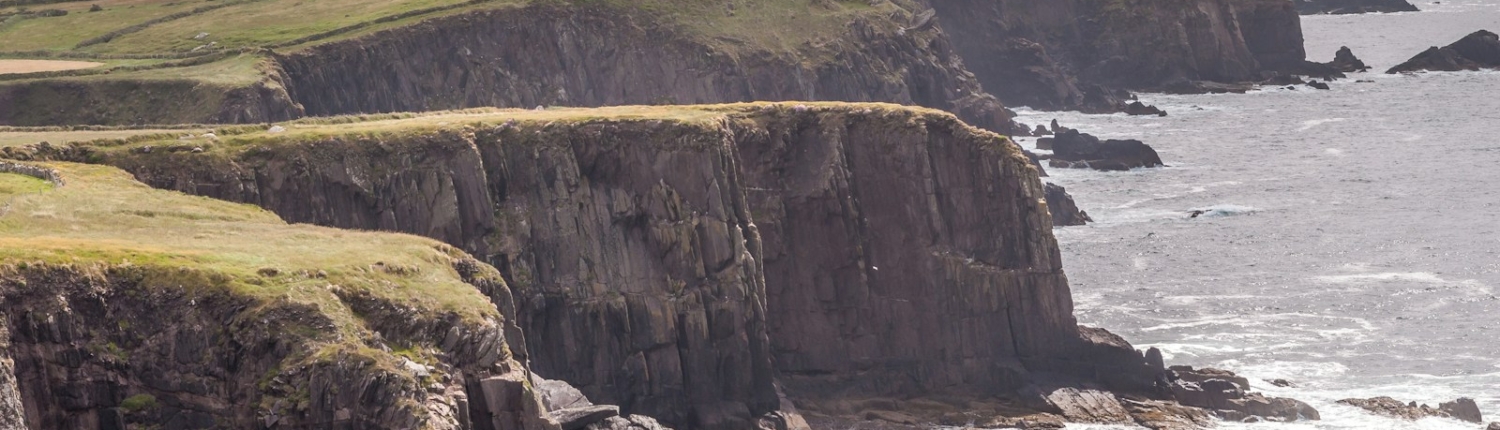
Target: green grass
{"x": 138, "y": 403}
{"x": 102, "y": 217}
{"x": 808, "y": 29}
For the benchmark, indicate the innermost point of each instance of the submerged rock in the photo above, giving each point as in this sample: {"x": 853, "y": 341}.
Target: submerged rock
{"x": 1080, "y": 150}
{"x": 1478, "y": 50}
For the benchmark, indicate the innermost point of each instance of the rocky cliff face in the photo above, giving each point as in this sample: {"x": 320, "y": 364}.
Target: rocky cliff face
{"x": 677, "y": 265}
{"x": 144, "y": 101}
{"x": 107, "y": 333}
{"x": 1078, "y": 54}
{"x": 599, "y": 56}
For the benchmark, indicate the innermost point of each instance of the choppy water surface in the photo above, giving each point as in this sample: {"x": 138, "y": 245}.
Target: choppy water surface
{"x": 1352, "y": 240}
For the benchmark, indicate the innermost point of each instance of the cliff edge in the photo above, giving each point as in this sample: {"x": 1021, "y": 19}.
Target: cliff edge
{"x": 127, "y": 306}
{"x": 683, "y": 262}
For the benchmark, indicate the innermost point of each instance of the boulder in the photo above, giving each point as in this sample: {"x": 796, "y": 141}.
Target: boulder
{"x": 1065, "y": 212}
{"x": 1493, "y": 426}
{"x": 633, "y": 422}
{"x": 1041, "y": 130}
{"x": 558, "y": 394}
{"x": 1478, "y": 50}
{"x": 1318, "y": 85}
{"x": 1079, "y": 150}
{"x": 1462, "y": 409}
{"x": 581, "y": 417}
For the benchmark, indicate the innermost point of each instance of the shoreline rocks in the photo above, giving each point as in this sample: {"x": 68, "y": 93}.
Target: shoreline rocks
{"x": 1463, "y": 409}
{"x": 1228, "y": 396}
{"x": 1478, "y": 50}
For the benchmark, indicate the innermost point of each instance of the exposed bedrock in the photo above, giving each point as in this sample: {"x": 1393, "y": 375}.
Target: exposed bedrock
{"x": 1463, "y": 409}
{"x": 1313, "y": 7}
{"x": 1076, "y": 54}
{"x": 129, "y": 102}
{"x": 665, "y": 265}
{"x": 1478, "y": 50}
{"x": 595, "y": 56}
{"x": 113, "y": 347}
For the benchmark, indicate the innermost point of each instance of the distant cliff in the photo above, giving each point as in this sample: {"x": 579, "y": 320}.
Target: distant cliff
{"x": 677, "y": 261}
{"x": 1080, "y": 54}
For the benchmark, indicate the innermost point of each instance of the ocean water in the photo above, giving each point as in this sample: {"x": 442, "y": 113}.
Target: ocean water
{"x": 1351, "y": 243}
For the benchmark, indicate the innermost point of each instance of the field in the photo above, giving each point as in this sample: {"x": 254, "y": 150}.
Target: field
{"x": 33, "y": 66}
{"x": 125, "y": 35}
{"x": 102, "y": 217}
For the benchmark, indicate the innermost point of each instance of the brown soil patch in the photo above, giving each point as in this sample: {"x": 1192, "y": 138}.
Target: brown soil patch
{"x": 33, "y": 66}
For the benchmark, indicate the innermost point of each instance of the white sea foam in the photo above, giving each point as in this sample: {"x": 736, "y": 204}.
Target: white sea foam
{"x": 1333, "y": 151}
{"x": 1309, "y": 124}
{"x": 1225, "y": 210}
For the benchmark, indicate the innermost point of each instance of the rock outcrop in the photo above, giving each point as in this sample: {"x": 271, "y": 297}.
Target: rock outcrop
{"x": 1478, "y": 50}
{"x": 135, "y": 102}
{"x": 1463, "y": 409}
{"x": 1344, "y": 61}
{"x": 676, "y": 261}
{"x": 1315, "y": 7}
{"x": 1065, "y": 212}
{"x": 1072, "y": 149}
{"x": 1228, "y": 396}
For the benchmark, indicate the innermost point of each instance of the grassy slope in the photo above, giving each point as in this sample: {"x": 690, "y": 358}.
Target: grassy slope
{"x": 102, "y": 219}
{"x": 776, "y": 25}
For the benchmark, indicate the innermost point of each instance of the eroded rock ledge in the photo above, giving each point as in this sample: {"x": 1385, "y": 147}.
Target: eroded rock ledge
{"x": 682, "y": 262}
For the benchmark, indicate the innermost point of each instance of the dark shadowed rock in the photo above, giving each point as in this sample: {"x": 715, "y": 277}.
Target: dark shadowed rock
{"x": 1478, "y": 50}
{"x": 1337, "y": 7}
{"x": 1080, "y": 150}
{"x": 1041, "y": 130}
{"x": 1064, "y": 211}
{"x": 1045, "y": 143}
{"x": 1493, "y": 426}
{"x": 1462, "y": 409}
{"x": 1138, "y": 108}
{"x": 1345, "y": 61}
{"x": 1318, "y": 85}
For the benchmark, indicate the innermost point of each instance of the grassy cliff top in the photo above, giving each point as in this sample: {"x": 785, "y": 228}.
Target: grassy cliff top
{"x": 101, "y": 218}
{"x": 159, "y": 36}
{"x": 388, "y": 126}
